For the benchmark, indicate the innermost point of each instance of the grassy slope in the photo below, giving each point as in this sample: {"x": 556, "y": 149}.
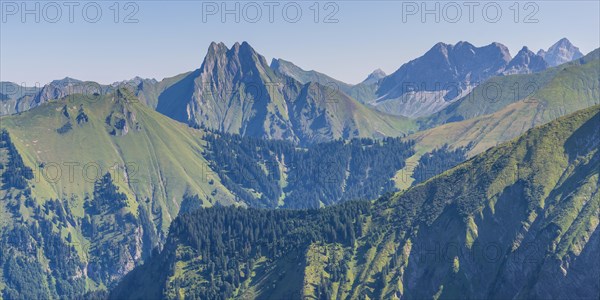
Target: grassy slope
{"x": 558, "y": 91}
{"x": 511, "y": 196}
{"x": 480, "y": 201}
{"x": 150, "y": 91}
{"x": 164, "y": 157}
{"x": 534, "y": 197}
{"x": 555, "y": 87}
{"x": 344, "y": 112}
{"x": 362, "y": 92}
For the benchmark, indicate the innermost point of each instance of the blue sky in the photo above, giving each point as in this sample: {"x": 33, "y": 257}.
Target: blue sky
{"x": 171, "y": 37}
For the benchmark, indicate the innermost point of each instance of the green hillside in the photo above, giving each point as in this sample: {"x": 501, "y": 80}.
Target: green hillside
{"x": 517, "y": 221}
{"x": 525, "y": 101}
{"x": 155, "y": 159}
{"x": 287, "y": 68}
{"x": 363, "y": 92}
{"x": 557, "y": 91}
{"x": 107, "y": 175}
{"x": 569, "y": 88}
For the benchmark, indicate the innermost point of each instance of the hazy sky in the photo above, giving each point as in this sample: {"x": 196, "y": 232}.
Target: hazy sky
{"x": 171, "y": 37}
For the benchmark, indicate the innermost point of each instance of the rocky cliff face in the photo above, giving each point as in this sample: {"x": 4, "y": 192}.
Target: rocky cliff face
{"x": 236, "y": 91}
{"x": 430, "y": 82}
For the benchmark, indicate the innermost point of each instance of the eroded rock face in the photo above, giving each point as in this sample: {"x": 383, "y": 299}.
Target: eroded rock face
{"x": 525, "y": 62}
{"x": 236, "y": 91}
{"x": 121, "y": 119}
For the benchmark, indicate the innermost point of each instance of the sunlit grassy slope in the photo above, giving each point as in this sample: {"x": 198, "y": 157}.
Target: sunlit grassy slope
{"x": 525, "y": 101}
{"x": 152, "y": 158}
{"x": 519, "y": 220}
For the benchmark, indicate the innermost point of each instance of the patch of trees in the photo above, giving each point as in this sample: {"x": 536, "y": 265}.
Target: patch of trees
{"x": 224, "y": 244}
{"x": 16, "y": 173}
{"x": 65, "y": 128}
{"x": 324, "y": 173}
{"x": 82, "y": 117}
{"x": 106, "y": 215}
{"x": 107, "y": 197}
{"x": 24, "y": 275}
{"x": 438, "y": 161}
{"x": 190, "y": 203}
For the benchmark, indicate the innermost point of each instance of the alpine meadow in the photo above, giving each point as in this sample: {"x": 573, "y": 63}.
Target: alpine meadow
{"x": 272, "y": 162}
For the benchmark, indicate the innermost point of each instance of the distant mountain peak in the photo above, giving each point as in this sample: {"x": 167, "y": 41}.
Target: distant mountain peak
{"x": 276, "y": 62}
{"x": 137, "y": 80}
{"x": 65, "y": 81}
{"x": 215, "y": 45}
{"x": 439, "y": 48}
{"x": 237, "y": 58}
{"x": 375, "y": 76}
{"x": 441, "y": 45}
{"x": 525, "y": 62}
{"x": 462, "y": 65}
{"x": 561, "y": 52}
{"x": 378, "y": 72}
{"x": 564, "y": 42}
{"x": 215, "y": 49}
{"x": 464, "y": 44}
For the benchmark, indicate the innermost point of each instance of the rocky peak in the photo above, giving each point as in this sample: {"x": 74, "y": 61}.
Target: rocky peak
{"x": 65, "y": 81}
{"x": 561, "y": 52}
{"x": 462, "y": 64}
{"x": 216, "y": 48}
{"x": 242, "y": 57}
{"x": 525, "y": 62}
{"x": 502, "y": 49}
{"x": 375, "y": 76}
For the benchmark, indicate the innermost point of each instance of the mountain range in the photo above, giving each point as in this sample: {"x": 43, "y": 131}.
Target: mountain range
{"x": 443, "y": 74}
{"x": 418, "y": 88}
{"x": 520, "y": 220}
{"x": 235, "y": 91}
{"x": 523, "y": 101}
{"x": 98, "y": 179}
